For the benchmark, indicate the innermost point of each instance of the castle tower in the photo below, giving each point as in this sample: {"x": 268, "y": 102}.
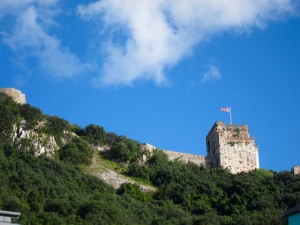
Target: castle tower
{"x": 230, "y": 146}
{"x": 17, "y": 95}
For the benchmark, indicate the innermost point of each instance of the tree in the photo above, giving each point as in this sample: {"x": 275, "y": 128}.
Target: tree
{"x": 95, "y": 134}
{"x": 9, "y": 116}
{"x": 125, "y": 150}
{"x": 110, "y": 138}
{"x": 31, "y": 114}
{"x": 77, "y": 151}
{"x": 134, "y": 191}
{"x": 57, "y": 127}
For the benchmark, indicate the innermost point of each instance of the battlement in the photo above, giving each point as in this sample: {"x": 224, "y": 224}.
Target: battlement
{"x": 233, "y": 132}
{"x": 17, "y": 95}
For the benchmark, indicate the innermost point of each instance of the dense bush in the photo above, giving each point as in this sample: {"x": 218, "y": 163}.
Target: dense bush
{"x": 125, "y": 150}
{"x": 50, "y": 191}
{"x": 76, "y": 151}
{"x": 257, "y": 197}
{"x": 95, "y": 134}
{"x": 56, "y": 127}
{"x": 134, "y": 191}
{"x": 110, "y": 138}
{"x": 31, "y": 115}
{"x": 9, "y": 116}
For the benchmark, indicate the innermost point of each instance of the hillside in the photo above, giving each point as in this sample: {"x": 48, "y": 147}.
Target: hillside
{"x": 53, "y": 172}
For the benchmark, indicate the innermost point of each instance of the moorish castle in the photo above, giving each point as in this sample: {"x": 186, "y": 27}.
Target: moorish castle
{"x": 228, "y": 145}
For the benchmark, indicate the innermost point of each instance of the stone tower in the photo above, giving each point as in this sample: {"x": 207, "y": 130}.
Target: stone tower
{"x": 17, "y": 95}
{"x": 230, "y": 146}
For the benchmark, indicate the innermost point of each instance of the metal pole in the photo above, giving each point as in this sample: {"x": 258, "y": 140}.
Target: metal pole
{"x": 230, "y": 115}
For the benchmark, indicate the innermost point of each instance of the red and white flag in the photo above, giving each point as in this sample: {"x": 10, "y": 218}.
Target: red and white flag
{"x": 225, "y": 109}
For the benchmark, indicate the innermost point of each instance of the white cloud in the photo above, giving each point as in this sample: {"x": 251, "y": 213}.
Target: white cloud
{"x": 146, "y": 37}
{"x": 140, "y": 39}
{"x": 28, "y": 36}
{"x": 211, "y": 74}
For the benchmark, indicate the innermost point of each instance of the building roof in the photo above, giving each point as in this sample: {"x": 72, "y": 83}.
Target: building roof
{"x": 292, "y": 211}
{"x": 10, "y": 214}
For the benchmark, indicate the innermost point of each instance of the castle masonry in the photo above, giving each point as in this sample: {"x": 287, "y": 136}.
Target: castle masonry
{"x": 231, "y": 147}
{"x": 17, "y": 95}
{"x": 227, "y": 146}
{"x": 173, "y": 155}
{"x": 296, "y": 170}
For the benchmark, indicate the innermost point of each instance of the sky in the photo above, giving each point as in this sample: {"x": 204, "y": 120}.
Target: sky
{"x": 159, "y": 71}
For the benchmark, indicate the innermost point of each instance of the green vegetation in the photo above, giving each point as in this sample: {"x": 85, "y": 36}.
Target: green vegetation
{"x": 9, "y": 116}
{"x": 58, "y": 191}
{"x": 77, "y": 151}
{"x": 95, "y": 134}
{"x": 134, "y": 191}
{"x": 124, "y": 150}
{"x": 231, "y": 143}
{"x": 56, "y": 127}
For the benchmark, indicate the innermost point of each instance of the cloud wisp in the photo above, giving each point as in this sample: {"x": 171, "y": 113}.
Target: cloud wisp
{"x": 28, "y": 37}
{"x": 147, "y": 37}
{"x": 212, "y": 74}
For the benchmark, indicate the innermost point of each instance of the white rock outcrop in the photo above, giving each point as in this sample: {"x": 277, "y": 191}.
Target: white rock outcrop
{"x": 42, "y": 144}
{"x": 116, "y": 180}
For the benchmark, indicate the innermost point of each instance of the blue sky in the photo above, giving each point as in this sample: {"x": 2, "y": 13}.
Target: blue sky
{"x": 159, "y": 71}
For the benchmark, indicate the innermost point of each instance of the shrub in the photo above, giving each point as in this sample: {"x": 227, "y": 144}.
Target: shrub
{"x": 95, "y": 134}
{"x": 77, "y": 151}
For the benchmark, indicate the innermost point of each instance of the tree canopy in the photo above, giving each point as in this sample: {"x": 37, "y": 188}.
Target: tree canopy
{"x": 57, "y": 191}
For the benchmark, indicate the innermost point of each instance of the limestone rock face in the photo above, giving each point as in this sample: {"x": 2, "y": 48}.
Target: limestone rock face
{"x": 42, "y": 144}
{"x": 101, "y": 148}
{"x": 116, "y": 180}
{"x": 17, "y": 95}
{"x": 100, "y": 169}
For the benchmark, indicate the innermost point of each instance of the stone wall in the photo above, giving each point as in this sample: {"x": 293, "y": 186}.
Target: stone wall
{"x": 296, "y": 170}
{"x": 17, "y": 95}
{"x": 184, "y": 157}
{"x": 230, "y": 146}
{"x": 172, "y": 155}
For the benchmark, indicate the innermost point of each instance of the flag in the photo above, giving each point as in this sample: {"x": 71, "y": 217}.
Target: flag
{"x": 225, "y": 109}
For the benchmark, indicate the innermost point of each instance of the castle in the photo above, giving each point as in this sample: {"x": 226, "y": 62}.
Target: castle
{"x": 227, "y": 146}
{"x": 17, "y": 95}
{"x": 230, "y": 146}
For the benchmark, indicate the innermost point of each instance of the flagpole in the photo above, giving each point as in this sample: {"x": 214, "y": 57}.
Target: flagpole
{"x": 230, "y": 115}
